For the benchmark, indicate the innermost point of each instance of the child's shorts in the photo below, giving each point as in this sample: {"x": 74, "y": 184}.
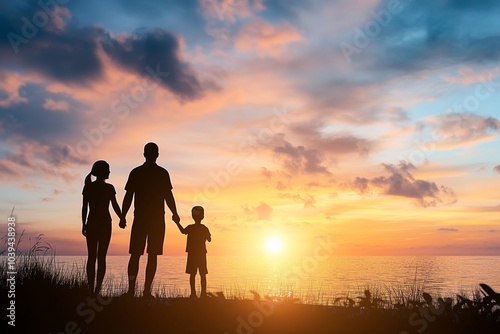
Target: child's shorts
{"x": 196, "y": 261}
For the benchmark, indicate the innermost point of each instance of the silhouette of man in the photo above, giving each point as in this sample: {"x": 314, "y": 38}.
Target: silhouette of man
{"x": 151, "y": 186}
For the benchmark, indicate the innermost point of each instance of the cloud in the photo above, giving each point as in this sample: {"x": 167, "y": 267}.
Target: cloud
{"x": 156, "y": 51}
{"x": 466, "y": 126}
{"x": 37, "y": 137}
{"x": 261, "y": 212}
{"x": 468, "y": 76}
{"x": 51, "y": 104}
{"x": 348, "y": 97}
{"x": 401, "y": 182}
{"x": 68, "y": 55}
{"x": 361, "y": 184}
{"x": 288, "y": 10}
{"x": 263, "y": 38}
{"x": 73, "y": 54}
{"x": 497, "y": 169}
{"x": 436, "y": 33}
{"x": 31, "y": 118}
{"x": 446, "y": 229}
{"x": 8, "y": 170}
{"x": 300, "y": 159}
{"x": 308, "y": 200}
{"x": 334, "y": 143}
{"x": 455, "y": 129}
{"x": 317, "y": 149}
{"x": 51, "y": 161}
{"x": 229, "y": 10}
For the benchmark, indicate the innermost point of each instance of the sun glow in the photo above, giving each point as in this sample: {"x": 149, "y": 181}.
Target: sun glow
{"x": 274, "y": 245}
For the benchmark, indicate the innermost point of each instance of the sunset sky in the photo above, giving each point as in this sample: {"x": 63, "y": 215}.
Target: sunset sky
{"x": 373, "y": 124}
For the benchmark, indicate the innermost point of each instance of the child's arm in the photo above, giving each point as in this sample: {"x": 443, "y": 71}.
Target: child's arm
{"x": 209, "y": 237}
{"x": 85, "y": 205}
{"x": 182, "y": 229}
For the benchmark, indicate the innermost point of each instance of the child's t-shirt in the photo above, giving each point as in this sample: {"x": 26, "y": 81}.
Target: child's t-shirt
{"x": 197, "y": 234}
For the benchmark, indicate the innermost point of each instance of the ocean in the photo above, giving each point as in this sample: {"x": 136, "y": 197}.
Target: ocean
{"x": 312, "y": 280}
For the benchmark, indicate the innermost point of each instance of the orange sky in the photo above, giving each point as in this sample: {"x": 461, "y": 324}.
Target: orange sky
{"x": 264, "y": 121}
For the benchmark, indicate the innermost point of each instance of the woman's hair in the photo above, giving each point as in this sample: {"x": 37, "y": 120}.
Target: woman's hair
{"x": 99, "y": 168}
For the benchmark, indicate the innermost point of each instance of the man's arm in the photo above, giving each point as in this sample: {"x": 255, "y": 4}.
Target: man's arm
{"x": 127, "y": 202}
{"x": 169, "y": 199}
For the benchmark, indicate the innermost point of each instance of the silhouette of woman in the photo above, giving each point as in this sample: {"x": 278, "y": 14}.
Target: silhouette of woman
{"x": 97, "y": 227}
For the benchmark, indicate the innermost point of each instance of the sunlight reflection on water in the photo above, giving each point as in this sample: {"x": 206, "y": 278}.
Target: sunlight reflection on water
{"x": 314, "y": 282}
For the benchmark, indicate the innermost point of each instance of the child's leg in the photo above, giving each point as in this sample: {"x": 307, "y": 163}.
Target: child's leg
{"x": 191, "y": 283}
{"x": 203, "y": 285}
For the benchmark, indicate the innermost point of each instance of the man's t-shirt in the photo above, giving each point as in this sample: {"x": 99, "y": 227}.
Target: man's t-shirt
{"x": 197, "y": 234}
{"x": 150, "y": 183}
{"x": 99, "y": 195}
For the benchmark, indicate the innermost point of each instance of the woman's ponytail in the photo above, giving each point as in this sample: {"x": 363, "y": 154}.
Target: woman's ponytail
{"x": 88, "y": 179}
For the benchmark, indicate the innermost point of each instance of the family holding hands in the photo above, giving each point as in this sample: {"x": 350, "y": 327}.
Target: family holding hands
{"x": 150, "y": 188}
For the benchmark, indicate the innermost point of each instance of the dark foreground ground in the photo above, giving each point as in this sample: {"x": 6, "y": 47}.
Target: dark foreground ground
{"x": 70, "y": 311}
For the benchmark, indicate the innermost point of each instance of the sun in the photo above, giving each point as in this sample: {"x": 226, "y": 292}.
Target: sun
{"x": 274, "y": 245}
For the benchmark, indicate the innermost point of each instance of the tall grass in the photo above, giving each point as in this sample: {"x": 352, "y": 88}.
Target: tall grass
{"x": 37, "y": 266}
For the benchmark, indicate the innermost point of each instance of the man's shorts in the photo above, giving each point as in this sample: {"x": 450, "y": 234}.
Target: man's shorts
{"x": 152, "y": 230}
{"x": 196, "y": 261}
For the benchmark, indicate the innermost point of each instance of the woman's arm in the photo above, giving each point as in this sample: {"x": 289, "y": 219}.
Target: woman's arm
{"x": 116, "y": 207}
{"x": 85, "y": 205}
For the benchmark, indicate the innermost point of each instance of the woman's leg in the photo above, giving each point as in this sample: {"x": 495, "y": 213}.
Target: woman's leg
{"x": 101, "y": 260}
{"x": 92, "y": 254}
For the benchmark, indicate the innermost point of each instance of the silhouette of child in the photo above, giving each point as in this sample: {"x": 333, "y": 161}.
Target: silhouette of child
{"x": 197, "y": 234}
{"x": 97, "y": 226}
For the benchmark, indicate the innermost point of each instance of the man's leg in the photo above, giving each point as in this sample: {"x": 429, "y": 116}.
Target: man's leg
{"x": 150, "y": 273}
{"x": 133, "y": 270}
{"x": 192, "y": 283}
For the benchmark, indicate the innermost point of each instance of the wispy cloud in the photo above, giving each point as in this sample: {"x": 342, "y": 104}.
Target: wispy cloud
{"x": 262, "y": 211}
{"x": 448, "y": 229}
{"x": 402, "y": 183}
